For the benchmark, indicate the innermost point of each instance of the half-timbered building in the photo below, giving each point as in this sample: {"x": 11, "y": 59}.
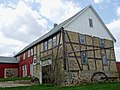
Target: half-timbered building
{"x": 79, "y": 49}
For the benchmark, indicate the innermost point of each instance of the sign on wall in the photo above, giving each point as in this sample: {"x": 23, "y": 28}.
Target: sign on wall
{"x": 46, "y": 62}
{"x": 10, "y": 72}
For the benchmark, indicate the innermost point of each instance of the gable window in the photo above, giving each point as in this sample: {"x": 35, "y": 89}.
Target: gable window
{"x": 104, "y": 59}
{"x": 31, "y": 52}
{"x": 101, "y": 42}
{"x": 91, "y": 22}
{"x": 45, "y": 45}
{"x": 82, "y": 39}
{"x": 84, "y": 57}
{"x": 54, "y": 41}
{"x": 24, "y": 56}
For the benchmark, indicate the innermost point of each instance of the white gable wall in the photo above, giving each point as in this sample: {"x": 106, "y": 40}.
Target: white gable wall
{"x": 81, "y": 25}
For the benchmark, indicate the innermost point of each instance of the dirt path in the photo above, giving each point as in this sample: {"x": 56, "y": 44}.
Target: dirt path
{"x": 15, "y": 83}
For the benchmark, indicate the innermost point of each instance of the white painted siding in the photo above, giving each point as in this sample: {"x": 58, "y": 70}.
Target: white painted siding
{"x": 81, "y": 25}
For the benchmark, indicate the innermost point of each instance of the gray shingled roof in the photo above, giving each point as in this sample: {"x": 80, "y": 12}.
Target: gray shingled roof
{"x": 60, "y": 26}
{"x": 8, "y": 59}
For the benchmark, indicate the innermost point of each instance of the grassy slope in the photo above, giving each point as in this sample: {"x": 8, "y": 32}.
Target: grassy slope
{"x": 99, "y": 86}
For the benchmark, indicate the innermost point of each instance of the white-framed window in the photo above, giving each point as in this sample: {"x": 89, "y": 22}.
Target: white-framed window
{"x": 90, "y": 22}
{"x": 28, "y": 53}
{"x": 25, "y": 66}
{"x": 54, "y": 41}
{"x": 23, "y": 56}
{"x": 31, "y": 52}
{"x": 82, "y": 39}
{"x": 104, "y": 59}
{"x": 84, "y": 57}
{"x": 45, "y": 45}
{"x": 101, "y": 41}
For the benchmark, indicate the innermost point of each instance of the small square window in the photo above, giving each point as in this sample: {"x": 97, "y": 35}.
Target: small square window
{"x": 91, "y": 22}
{"x": 54, "y": 41}
{"x": 101, "y": 42}
{"x": 84, "y": 57}
{"x": 82, "y": 39}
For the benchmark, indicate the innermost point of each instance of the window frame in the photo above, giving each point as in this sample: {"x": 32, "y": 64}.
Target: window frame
{"x": 104, "y": 59}
{"x": 101, "y": 42}
{"x": 84, "y": 58}
{"x": 54, "y": 41}
{"x": 90, "y": 22}
{"x": 45, "y": 45}
{"x": 82, "y": 39}
{"x": 31, "y": 52}
{"x": 24, "y": 56}
{"x": 23, "y": 68}
{"x": 50, "y": 43}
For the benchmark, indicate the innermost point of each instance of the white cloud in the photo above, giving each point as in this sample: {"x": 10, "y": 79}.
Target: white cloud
{"x": 98, "y": 1}
{"x": 58, "y": 10}
{"x": 18, "y": 27}
{"x": 20, "y": 23}
{"x": 114, "y": 27}
{"x": 118, "y": 11}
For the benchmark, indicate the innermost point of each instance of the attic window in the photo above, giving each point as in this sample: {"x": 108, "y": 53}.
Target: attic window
{"x": 91, "y": 22}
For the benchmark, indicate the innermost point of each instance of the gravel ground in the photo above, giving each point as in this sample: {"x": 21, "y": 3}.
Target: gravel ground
{"x": 13, "y": 84}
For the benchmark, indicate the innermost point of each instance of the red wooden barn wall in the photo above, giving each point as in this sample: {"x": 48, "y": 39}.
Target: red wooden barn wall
{"x": 27, "y": 61}
{"x": 4, "y": 65}
{"x": 118, "y": 66}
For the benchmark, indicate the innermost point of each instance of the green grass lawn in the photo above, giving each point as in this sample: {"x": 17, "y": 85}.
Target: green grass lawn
{"x": 99, "y": 86}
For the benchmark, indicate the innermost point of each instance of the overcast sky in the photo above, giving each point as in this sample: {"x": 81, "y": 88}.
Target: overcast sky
{"x": 23, "y": 21}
